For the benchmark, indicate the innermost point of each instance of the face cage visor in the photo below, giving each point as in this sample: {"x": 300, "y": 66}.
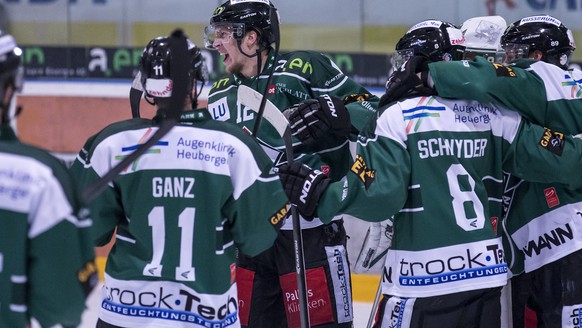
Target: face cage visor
{"x": 400, "y": 57}
{"x": 222, "y": 32}
{"x": 514, "y": 51}
{"x": 492, "y": 56}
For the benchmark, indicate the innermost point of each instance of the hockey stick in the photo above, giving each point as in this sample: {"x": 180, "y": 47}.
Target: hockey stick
{"x": 375, "y": 305}
{"x": 251, "y": 98}
{"x": 260, "y": 109}
{"x": 135, "y": 94}
{"x": 179, "y": 75}
{"x": 275, "y": 26}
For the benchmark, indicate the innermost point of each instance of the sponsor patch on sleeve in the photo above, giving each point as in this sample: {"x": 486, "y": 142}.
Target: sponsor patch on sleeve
{"x": 88, "y": 277}
{"x": 551, "y": 196}
{"x": 278, "y": 218}
{"x": 553, "y": 141}
{"x": 502, "y": 70}
{"x": 219, "y": 110}
{"x": 360, "y": 168}
{"x": 357, "y": 97}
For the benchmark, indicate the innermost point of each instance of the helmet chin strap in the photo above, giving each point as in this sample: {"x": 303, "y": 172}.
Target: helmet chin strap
{"x": 259, "y": 61}
{"x": 196, "y": 92}
{"x": 256, "y": 54}
{"x": 5, "y": 103}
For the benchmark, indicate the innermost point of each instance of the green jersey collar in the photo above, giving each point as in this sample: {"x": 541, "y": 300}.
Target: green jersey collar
{"x": 187, "y": 116}
{"x": 239, "y": 79}
{"x": 195, "y": 115}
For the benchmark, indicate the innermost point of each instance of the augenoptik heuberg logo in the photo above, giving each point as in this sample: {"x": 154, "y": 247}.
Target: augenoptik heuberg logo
{"x": 575, "y": 86}
{"x": 131, "y": 149}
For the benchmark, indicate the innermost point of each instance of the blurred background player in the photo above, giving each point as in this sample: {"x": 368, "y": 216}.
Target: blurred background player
{"x": 181, "y": 210}
{"x": 483, "y": 38}
{"x": 437, "y": 164}
{"x": 46, "y": 256}
{"x": 244, "y": 32}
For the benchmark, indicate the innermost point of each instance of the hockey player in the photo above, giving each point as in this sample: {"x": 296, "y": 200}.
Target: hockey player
{"x": 179, "y": 212}
{"x": 481, "y": 38}
{"x": 436, "y": 165}
{"x": 543, "y": 220}
{"x": 244, "y": 32}
{"x": 47, "y": 264}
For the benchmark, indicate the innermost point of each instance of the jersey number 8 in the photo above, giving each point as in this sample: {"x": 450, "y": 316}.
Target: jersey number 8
{"x": 467, "y": 207}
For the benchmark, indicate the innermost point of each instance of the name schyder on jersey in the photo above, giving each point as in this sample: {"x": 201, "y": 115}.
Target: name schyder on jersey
{"x": 167, "y": 302}
{"x": 418, "y": 274}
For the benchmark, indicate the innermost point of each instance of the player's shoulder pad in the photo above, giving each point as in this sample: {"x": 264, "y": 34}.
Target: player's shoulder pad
{"x": 306, "y": 54}
{"x": 116, "y": 127}
{"x": 501, "y": 70}
{"x": 302, "y": 62}
{"x": 222, "y": 83}
{"x": 43, "y": 156}
{"x": 56, "y": 166}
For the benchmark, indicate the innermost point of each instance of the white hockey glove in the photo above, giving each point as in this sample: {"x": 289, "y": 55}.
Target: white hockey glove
{"x": 374, "y": 248}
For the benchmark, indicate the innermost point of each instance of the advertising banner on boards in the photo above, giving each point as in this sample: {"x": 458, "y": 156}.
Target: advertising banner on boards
{"x": 48, "y": 62}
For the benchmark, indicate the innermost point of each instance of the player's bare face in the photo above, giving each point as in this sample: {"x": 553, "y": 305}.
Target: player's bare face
{"x": 227, "y": 46}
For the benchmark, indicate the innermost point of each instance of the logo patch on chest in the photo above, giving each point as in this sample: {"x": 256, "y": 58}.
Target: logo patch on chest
{"x": 219, "y": 110}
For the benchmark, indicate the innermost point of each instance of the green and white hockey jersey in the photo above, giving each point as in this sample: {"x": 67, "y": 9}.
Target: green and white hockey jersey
{"x": 46, "y": 254}
{"x": 437, "y": 166}
{"x": 179, "y": 213}
{"x": 543, "y": 221}
{"x": 298, "y": 76}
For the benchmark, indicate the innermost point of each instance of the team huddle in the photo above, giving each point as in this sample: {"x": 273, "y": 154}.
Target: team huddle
{"x": 467, "y": 170}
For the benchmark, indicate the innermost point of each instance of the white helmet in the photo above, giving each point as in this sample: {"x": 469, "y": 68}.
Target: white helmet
{"x": 482, "y": 37}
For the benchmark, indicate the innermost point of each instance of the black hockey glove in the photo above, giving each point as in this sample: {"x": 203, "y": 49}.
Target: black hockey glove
{"x": 303, "y": 187}
{"x": 405, "y": 81}
{"x": 319, "y": 123}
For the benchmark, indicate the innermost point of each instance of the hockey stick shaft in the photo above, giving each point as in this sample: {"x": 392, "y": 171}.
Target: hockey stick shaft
{"x": 298, "y": 244}
{"x": 375, "y": 305}
{"x": 297, "y": 236}
{"x": 135, "y": 94}
{"x": 253, "y": 99}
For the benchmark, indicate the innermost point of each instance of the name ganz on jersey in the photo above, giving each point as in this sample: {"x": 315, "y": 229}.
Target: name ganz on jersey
{"x": 172, "y": 187}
